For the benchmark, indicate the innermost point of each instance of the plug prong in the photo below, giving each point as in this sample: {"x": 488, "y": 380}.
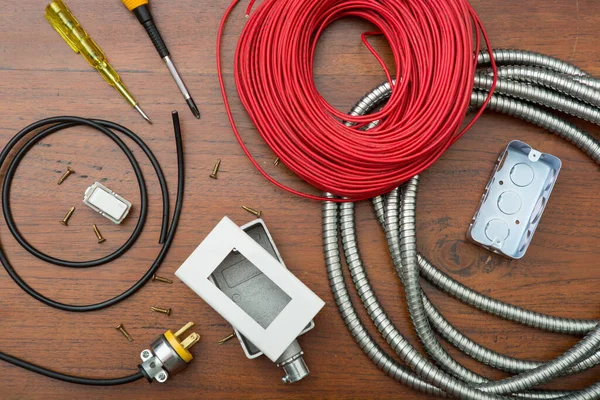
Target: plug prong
{"x": 183, "y": 329}
{"x": 191, "y": 340}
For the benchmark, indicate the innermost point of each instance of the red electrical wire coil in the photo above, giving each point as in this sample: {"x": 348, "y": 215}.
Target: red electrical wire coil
{"x": 434, "y": 44}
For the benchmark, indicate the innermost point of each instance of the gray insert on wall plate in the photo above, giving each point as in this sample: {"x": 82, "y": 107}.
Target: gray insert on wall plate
{"x": 514, "y": 200}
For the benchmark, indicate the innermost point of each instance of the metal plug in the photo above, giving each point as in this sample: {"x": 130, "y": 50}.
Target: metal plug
{"x": 168, "y": 354}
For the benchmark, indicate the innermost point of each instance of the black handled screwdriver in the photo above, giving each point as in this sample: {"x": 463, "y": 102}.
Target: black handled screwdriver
{"x": 142, "y": 11}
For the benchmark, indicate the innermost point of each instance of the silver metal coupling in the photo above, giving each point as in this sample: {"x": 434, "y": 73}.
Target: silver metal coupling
{"x": 293, "y": 364}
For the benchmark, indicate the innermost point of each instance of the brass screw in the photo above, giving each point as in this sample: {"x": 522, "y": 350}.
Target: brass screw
{"x": 98, "y": 234}
{"x": 161, "y": 279}
{"x": 276, "y": 162}
{"x": 65, "y": 220}
{"x": 252, "y": 211}
{"x": 227, "y": 338}
{"x": 124, "y": 332}
{"x": 64, "y": 176}
{"x": 216, "y": 169}
{"x": 161, "y": 310}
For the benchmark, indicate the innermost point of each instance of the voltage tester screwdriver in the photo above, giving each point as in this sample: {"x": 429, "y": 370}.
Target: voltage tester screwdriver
{"x": 142, "y": 12}
{"x": 61, "y": 19}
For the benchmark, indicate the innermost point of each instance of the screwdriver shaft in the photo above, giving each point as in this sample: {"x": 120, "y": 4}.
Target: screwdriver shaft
{"x": 181, "y": 86}
{"x": 142, "y": 113}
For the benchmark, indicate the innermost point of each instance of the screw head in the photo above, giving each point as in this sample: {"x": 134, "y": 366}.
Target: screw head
{"x": 162, "y": 376}
{"x": 214, "y": 176}
{"x": 64, "y": 223}
{"x": 119, "y": 327}
{"x": 146, "y": 353}
{"x": 101, "y": 240}
{"x": 70, "y": 169}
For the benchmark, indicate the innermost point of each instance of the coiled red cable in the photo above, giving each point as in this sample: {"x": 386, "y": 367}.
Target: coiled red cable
{"x": 434, "y": 44}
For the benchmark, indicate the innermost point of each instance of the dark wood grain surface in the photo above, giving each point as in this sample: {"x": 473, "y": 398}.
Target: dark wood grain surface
{"x": 41, "y": 77}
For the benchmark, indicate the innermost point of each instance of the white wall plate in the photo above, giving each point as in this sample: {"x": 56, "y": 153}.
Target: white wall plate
{"x": 293, "y": 319}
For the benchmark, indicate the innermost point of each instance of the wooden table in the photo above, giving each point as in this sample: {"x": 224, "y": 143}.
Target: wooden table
{"x": 41, "y": 77}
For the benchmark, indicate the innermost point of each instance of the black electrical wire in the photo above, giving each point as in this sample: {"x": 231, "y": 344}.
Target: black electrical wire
{"x": 70, "y": 378}
{"x": 6, "y": 187}
{"x": 166, "y": 237}
{"x": 104, "y": 127}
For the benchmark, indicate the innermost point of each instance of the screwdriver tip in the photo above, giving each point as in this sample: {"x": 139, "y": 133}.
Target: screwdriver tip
{"x": 193, "y": 107}
{"x": 143, "y": 114}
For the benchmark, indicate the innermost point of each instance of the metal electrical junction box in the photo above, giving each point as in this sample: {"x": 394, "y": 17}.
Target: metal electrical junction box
{"x": 514, "y": 200}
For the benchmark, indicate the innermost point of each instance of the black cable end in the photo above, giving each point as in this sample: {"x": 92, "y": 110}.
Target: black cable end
{"x": 176, "y": 125}
{"x": 193, "y": 107}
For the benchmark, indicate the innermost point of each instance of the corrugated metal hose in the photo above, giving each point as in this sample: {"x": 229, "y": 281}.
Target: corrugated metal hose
{"x": 529, "y": 84}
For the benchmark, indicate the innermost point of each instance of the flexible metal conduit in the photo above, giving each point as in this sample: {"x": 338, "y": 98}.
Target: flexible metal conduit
{"x": 553, "y": 84}
{"x": 541, "y": 96}
{"x": 524, "y": 57}
{"x": 552, "y": 80}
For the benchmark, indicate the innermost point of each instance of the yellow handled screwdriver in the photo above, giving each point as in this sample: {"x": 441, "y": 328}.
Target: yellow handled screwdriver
{"x": 67, "y": 26}
{"x": 142, "y": 12}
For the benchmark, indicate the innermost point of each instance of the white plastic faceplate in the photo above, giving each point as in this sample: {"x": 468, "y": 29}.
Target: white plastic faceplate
{"x": 286, "y": 327}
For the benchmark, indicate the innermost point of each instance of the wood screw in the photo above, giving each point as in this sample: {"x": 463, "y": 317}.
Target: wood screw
{"x": 227, "y": 338}
{"x": 65, "y": 220}
{"x": 252, "y": 211}
{"x": 64, "y": 176}
{"x": 121, "y": 328}
{"x": 98, "y": 234}
{"x": 161, "y": 279}
{"x": 216, "y": 169}
{"x": 161, "y": 310}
